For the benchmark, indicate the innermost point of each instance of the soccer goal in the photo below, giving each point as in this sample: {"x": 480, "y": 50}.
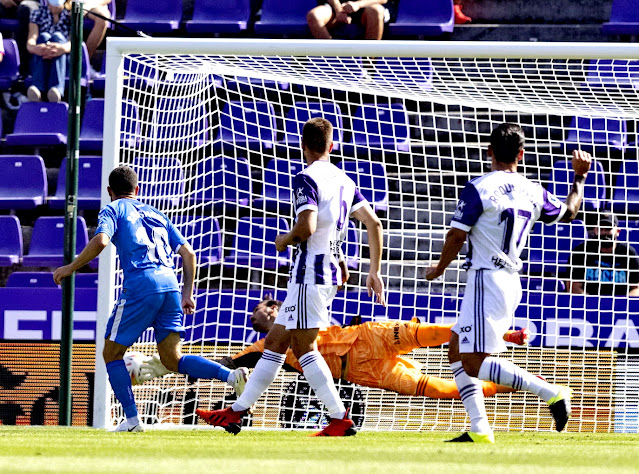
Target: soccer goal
{"x": 213, "y": 128}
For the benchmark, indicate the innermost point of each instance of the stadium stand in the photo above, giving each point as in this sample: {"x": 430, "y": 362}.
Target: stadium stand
{"x": 415, "y": 20}
{"x": 624, "y": 19}
{"x": 370, "y": 177}
{"x": 219, "y": 16}
{"x": 153, "y": 16}
{"x": 248, "y": 124}
{"x": 378, "y": 127}
{"x": 595, "y": 186}
{"x": 204, "y": 235}
{"x": 23, "y": 182}
{"x": 31, "y": 280}
{"x": 10, "y": 241}
{"x": 89, "y": 184}
{"x": 301, "y": 112}
{"x": 47, "y": 241}
{"x": 625, "y": 196}
{"x": 253, "y": 243}
{"x": 284, "y": 18}
{"x": 551, "y": 245}
{"x": 596, "y": 135}
{"x": 222, "y": 182}
{"x": 40, "y": 124}
{"x": 10, "y": 65}
{"x": 277, "y": 192}
{"x": 92, "y": 129}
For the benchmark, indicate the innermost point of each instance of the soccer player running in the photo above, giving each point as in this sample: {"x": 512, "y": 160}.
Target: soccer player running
{"x": 324, "y": 198}
{"x": 496, "y": 212}
{"x": 145, "y": 240}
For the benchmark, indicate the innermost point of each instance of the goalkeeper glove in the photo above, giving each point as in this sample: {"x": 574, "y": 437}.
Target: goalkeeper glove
{"x": 152, "y": 368}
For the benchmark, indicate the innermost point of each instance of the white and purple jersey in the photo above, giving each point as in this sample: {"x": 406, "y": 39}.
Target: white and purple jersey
{"x": 498, "y": 211}
{"x": 324, "y": 188}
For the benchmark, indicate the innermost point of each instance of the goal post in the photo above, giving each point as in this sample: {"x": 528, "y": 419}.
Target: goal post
{"x": 212, "y": 126}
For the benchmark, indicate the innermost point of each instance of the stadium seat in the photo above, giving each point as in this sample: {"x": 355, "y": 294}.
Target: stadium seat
{"x": 86, "y": 280}
{"x": 40, "y": 124}
{"x": 219, "y": 16}
{"x": 253, "y": 243}
{"x": 595, "y": 187}
{"x": 370, "y": 178}
{"x": 613, "y": 73}
{"x": 31, "y": 279}
{"x": 277, "y": 190}
{"x": 282, "y": 17}
{"x": 153, "y": 16}
{"x": 47, "y": 241}
{"x": 414, "y": 18}
{"x": 624, "y": 18}
{"x": 629, "y": 236}
{"x": 92, "y": 130}
{"x": 204, "y": 235}
{"x": 625, "y": 195}
{"x": 178, "y": 122}
{"x": 89, "y": 184}
{"x": 543, "y": 284}
{"x": 161, "y": 181}
{"x": 254, "y": 86}
{"x": 23, "y": 182}
{"x": 550, "y": 245}
{"x": 10, "y": 65}
{"x": 10, "y": 241}
{"x": 378, "y": 127}
{"x": 597, "y": 135}
{"x": 301, "y": 112}
{"x": 248, "y": 124}
{"x": 223, "y": 181}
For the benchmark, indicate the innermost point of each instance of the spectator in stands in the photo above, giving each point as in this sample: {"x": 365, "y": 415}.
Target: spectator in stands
{"x": 49, "y": 44}
{"x": 460, "y": 18}
{"x": 602, "y": 265}
{"x": 99, "y": 25}
{"x": 328, "y": 14}
{"x": 20, "y": 10}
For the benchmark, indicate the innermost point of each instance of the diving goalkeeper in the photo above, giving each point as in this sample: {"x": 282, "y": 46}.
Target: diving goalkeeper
{"x": 365, "y": 354}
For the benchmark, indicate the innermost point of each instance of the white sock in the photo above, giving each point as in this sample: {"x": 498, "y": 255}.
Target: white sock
{"x": 320, "y": 379}
{"x": 472, "y": 396}
{"x": 263, "y": 375}
{"x": 504, "y": 372}
{"x": 133, "y": 421}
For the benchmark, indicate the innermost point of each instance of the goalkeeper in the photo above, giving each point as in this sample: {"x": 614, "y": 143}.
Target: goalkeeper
{"x": 366, "y": 354}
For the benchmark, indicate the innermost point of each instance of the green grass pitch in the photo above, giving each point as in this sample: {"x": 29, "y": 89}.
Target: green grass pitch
{"x": 54, "y": 449}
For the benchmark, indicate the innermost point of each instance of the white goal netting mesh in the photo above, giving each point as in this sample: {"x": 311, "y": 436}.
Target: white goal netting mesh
{"x": 215, "y": 140}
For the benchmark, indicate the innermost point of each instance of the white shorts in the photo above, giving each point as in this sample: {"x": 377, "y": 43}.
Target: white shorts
{"x": 306, "y": 306}
{"x": 487, "y": 310}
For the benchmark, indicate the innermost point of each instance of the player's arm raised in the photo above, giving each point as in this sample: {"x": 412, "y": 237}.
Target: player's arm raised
{"x": 454, "y": 242}
{"x": 374, "y": 282}
{"x": 581, "y": 165}
{"x": 304, "y": 227}
{"x": 95, "y": 246}
{"x": 188, "y": 265}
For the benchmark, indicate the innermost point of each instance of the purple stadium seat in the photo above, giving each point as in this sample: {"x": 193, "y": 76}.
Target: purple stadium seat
{"x": 598, "y": 134}
{"x": 277, "y": 192}
{"x": 23, "y": 182}
{"x": 595, "y": 189}
{"x": 543, "y": 284}
{"x": 625, "y": 195}
{"x": 10, "y": 241}
{"x": 86, "y": 280}
{"x": 613, "y": 73}
{"x": 378, "y": 127}
{"x": 31, "y": 280}
{"x": 414, "y": 18}
{"x": 89, "y": 184}
{"x": 161, "y": 181}
{"x": 92, "y": 130}
{"x": 253, "y": 243}
{"x": 40, "y": 124}
{"x": 248, "y": 124}
{"x": 282, "y": 17}
{"x": 153, "y": 16}
{"x": 219, "y": 16}
{"x": 624, "y": 18}
{"x": 10, "y": 65}
{"x": 204, "y": 235}
{"x": 370, "y": 178}
{"x": 550, "y": 245}
{"x": 222, "y": 182}
{"x": 47, "y": 241}
{"x": 301, "y": 112}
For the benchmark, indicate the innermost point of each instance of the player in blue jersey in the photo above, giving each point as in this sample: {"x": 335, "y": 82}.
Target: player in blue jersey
{"x": 146, "y": 241}
{"x": 324, "y": 198}
{"x": 496, "y": 213}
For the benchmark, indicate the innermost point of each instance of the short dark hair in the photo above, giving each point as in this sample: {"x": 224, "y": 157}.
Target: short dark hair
{"x": 507, "y": 140}
{"x": 317, "y": 134}
{"x": 123, "y": 180}
{"x": 269, "y": 302}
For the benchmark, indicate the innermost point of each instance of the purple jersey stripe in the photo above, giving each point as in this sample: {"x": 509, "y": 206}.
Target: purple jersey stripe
{"x": 319, "y": 270}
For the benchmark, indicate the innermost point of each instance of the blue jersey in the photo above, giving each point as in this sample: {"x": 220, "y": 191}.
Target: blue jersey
{"x": 146, "y": 241}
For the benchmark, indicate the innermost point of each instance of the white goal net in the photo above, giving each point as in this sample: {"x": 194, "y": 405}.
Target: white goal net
{"x": 213, "y": 129}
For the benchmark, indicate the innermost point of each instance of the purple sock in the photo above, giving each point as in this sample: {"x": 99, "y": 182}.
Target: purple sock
{"x": 201, "y": 368}
{"x": 121, "y": 384}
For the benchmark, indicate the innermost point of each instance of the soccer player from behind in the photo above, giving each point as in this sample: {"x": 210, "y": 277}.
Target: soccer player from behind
{"x": 496, "y": 212}
{"x": 367, "y": 354}
{"x": 145, "y": 240}
{"x": 324, "y": 198}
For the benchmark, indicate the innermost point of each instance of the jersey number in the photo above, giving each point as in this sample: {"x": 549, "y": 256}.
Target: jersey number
{"x": 516, "y": 222}
{"x": 343, "y": 209}
{"x": 157, "y": 245}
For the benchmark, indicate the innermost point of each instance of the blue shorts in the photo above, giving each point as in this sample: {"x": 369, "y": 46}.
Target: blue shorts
{"x": 132, "y": 316}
